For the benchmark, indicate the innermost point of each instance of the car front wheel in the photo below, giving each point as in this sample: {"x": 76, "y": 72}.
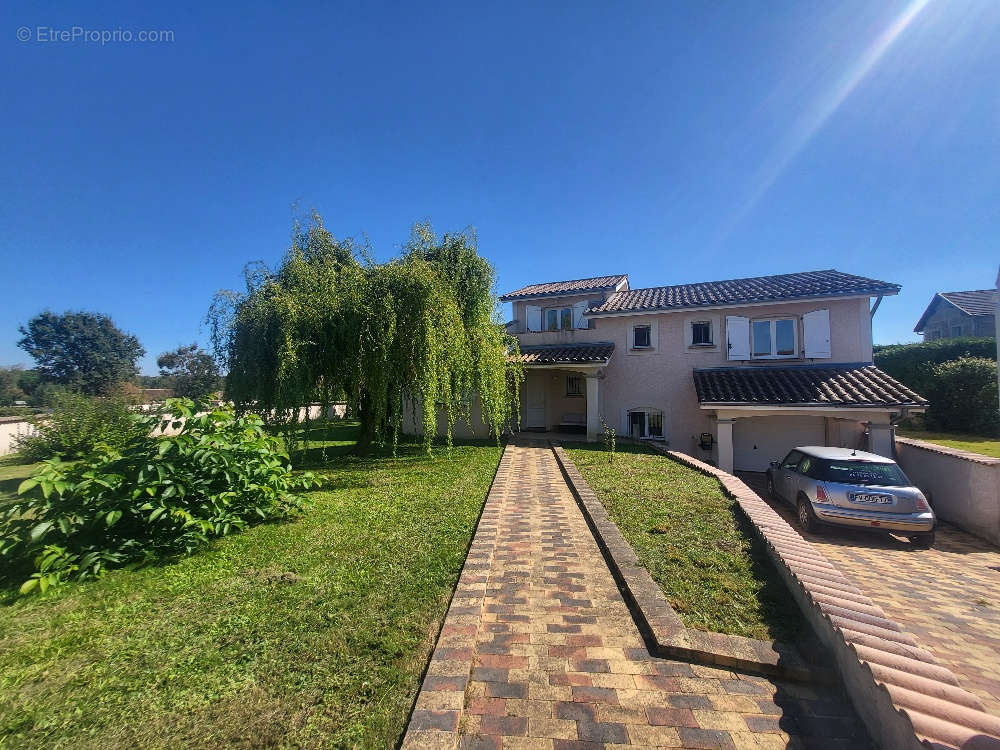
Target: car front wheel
{"x": 924, "y": 540}
{"x": 807, "y": 519}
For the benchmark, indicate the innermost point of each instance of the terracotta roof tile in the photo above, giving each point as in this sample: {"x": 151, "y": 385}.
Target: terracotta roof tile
{"x": 577, "y": 286}
{"x": 599, "y": 351}
{"x": 827, "y": 385}
{"x": 782, "y": 287}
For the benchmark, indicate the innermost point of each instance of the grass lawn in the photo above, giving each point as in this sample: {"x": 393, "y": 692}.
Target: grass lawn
{"x": 694, "y": 542}
{"x": 311, "y": 633}
{"x": 12, "y": 474}
{"x": 975, "y": 443}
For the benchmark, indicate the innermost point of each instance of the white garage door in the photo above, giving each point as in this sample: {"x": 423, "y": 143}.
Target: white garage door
{"x": 759, "y": 440}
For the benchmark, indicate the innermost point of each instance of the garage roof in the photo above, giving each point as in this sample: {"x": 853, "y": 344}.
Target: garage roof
{"x": 805, "y": 385}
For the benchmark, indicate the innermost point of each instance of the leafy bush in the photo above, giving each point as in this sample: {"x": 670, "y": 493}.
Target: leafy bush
{"x": 78, "y": 424}
{"x": 911, "y": 364}
{"x": 963, "y": 396}
{"x": 154, "y": 496}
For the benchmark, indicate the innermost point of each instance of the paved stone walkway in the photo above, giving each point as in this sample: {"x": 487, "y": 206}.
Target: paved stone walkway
{"x": 556, "y": 661}
{"x": 947, "y": 596}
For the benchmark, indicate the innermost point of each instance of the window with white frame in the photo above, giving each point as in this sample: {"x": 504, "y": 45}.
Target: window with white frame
{"x": 574, "y": 385}
{"x": 701, "y": 333}
{"x": 641, "y": 337}
{"x": 558, "y": 318}
{"x": 774, "y": 338}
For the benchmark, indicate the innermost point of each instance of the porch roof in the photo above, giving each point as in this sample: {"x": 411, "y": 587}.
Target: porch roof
{"x": 845, "y": 386}
{"x": 593, "y": 353}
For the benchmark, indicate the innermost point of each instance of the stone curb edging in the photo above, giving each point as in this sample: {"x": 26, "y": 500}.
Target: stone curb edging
{"x": 437, "y": 712}
{"x": 905, "y": 698}
{"x": 670, "y": 638}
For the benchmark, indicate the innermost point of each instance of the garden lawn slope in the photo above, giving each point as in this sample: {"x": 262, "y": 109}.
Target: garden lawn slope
{"x": 974, "y": 443}
{"x": 311, "y": 633}
{"x": 689, "y": 536}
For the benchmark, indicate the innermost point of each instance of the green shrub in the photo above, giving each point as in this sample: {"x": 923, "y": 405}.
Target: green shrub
{"x": 963, "y": 396}
{"x": 151, "y": 498}
{"x": 78, "y": 424}
{"x": 911, "y": 364}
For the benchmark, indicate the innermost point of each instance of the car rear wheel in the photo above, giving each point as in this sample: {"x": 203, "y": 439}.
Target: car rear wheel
{"x": 807, "y": 519}
{"x": 924, "y": 540}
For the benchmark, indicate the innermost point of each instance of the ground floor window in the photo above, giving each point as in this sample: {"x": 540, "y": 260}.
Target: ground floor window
{"x": 574, "y": 385}
{"x": 645, "y": 423}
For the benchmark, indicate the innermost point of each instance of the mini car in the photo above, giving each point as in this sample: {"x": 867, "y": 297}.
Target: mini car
{"x": 845, "y": 487}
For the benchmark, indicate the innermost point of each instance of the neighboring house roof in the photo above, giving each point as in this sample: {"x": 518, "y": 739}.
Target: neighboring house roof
{"x": 576, "y": 286}
{"x": 597, "y": 352}
{"x": 812, "y": 385}
{"x": 783, "y": 287}
{"x": 975, "y": 302}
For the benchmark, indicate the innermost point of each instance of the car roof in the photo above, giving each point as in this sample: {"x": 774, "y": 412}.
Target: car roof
{"x": 844, "y": 454}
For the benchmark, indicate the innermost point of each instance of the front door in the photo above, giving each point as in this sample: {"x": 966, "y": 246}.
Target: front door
{"x": 534, "y": 401}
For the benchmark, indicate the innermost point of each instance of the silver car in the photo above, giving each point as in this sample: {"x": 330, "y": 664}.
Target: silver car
{"x": 851, "y": 488}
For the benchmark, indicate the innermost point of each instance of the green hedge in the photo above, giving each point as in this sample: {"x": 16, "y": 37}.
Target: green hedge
{"x": 963, "y": 396}
{"x": 911, "y": 364}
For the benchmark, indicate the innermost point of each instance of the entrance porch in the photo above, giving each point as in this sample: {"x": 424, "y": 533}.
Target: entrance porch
{"x": 562, "y": 389}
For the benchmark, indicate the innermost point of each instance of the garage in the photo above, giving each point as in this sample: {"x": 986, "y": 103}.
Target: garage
{"x": 759, "y": 440}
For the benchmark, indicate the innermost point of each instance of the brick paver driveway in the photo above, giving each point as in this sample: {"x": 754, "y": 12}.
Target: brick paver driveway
{"x": 557, "y": 661}
{"x": 947, "y": 596}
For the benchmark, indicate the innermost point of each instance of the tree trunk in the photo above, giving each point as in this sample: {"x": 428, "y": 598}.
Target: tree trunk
{"x": 367, "y": 434}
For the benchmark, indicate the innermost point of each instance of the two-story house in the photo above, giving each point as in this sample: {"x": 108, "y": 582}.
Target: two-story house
{"x": 735, "y": 371}
{"x": 951, "y": 315}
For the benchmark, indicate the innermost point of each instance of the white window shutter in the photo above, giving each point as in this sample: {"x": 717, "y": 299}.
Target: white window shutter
{"x": 578, "y": 310}
{"x": 816, "y": 332}
{"x": 534, "y": 315}
{"x": 737, "y": 337}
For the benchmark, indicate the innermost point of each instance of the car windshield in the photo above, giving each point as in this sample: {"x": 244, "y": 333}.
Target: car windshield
{"x": 861, "y": 472}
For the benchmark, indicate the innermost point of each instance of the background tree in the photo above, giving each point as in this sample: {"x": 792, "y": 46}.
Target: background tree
{"x": 191, "y": 371}
{"x": 418, "y": 332}
{"x": 10, "y": 386}
{"x": 82, "y": 350}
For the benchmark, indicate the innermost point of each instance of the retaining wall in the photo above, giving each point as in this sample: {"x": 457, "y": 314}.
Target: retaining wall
{"x": 964, "y": 487}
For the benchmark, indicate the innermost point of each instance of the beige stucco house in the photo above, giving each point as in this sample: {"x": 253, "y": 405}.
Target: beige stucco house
{"x": 735, "y": 371}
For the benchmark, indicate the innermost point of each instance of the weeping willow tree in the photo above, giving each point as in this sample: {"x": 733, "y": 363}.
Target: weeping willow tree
{"x": 419, "y": 333}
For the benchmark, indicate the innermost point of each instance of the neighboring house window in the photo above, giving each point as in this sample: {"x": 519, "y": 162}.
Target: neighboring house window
{"x": 574, "y": 385}
{"x": 557, "y": 318}
{"x": 645, "y": 423}
{"x": 773, "y": 339}
{"x": 701, "y": 333}
{"x": 640, "y": 337}
{"x": 956, "y": 331}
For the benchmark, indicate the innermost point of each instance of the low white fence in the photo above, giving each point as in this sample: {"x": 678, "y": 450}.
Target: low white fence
{"x": 964, "y": 487}
{"x": 11, "y": 427}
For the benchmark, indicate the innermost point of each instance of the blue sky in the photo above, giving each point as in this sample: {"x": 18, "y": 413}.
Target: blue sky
{"x": 672, "y": 141}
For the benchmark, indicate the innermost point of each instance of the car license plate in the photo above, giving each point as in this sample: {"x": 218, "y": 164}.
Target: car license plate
{"x": 862, "y": 497}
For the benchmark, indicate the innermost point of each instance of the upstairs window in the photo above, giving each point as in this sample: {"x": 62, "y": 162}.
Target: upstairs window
{"x": 774, "y": 338}
{"x": 558, "y": 318}
{"x": 641, "y": 338}
{"x": 701, "y": 333}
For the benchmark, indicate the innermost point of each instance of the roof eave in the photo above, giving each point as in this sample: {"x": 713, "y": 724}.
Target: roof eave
{"x": 543, "y": 295}
{"x": 807, "y": 405}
